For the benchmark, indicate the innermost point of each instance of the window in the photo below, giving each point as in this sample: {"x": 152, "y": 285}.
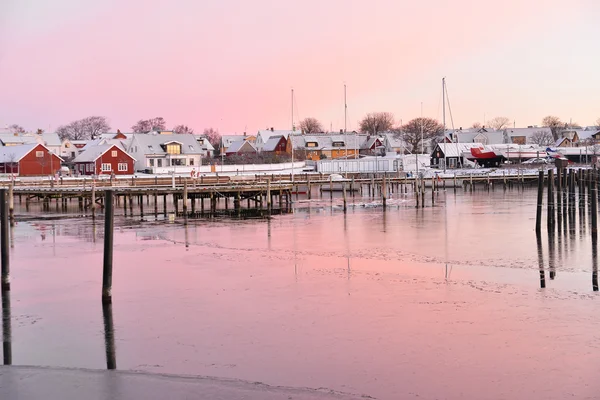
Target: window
{"x": 337, "y": 144}
{"x": 113, "y": 153}
{"x": 72, "y": 154}
{"x": 106, "y": 167}
{"x": 191, "y": 161}
{"x": 311, "y": 144}
{"x": 174, "y": 148}
{"x": 178, "y": 161}
{"x": 39, "y": 154}
{"x": 67, "y": 145}
{"x": 88, "y": 167}
{"x": 151, "y": 162}
{"x": 159, "y": 163}
{"x": 122, "y": 167}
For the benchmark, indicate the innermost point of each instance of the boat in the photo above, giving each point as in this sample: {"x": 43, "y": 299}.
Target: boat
{"x": 485, "y": 155}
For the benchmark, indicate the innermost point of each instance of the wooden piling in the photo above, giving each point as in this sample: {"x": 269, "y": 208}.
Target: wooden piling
{"x": 344, "y": 195}
{"x": 141, "y": 201}
{"x": 185, "y": 196}
{"x": 269, "y": 194}
{"x": 550, "y": 217}
{"x": 109, "y": 336}
{"x": 541, "y": 259}
{"x": 594, "y": 206}
{"x": 107, "y": 269}
{"x": 165, "y": 205}
{"x": 11, "y": 203}
{"x": 4, "y": 242}
{"x": 384, "y": 192}
{"x": 6, "y": 328}
{"x": 93, "y": 205}
{"x": 540, "y": 196}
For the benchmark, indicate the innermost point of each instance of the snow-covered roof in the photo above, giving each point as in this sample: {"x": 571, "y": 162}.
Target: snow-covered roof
{"x": 227, "y": 140}
{"x": 324, "y": 141}
{"x": 240, "y": 145}
{"x": 151, "y": 143}
{"x": 16, "y": 153}
{"x": 272, "y": 143}
{"x": 13, "y": 139}
{"x": 457, "y": 149}
{"x": 204, "y": 143}
{"x": 94, "y": 152}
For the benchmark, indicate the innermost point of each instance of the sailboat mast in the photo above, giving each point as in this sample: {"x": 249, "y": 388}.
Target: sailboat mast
{"x": 291, "y": 137}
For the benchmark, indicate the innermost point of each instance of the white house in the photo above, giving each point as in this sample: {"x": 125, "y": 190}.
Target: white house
{"x": 155, "y": 151}
{"x": 208, "y": 149}
{"x": 263, "y": 136}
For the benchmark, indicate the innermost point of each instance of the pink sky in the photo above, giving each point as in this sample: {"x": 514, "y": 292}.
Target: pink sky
{"x": 230, "y": 64}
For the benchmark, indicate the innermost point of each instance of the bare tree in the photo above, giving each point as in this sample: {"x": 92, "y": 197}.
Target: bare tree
{"x": 311, "y": 125}
{"x": 411, "y": 131}
{"x": 84, "y": 129}
{"x": 598, "y": 123}
{"x": 476, "y": 125}
{"x": 14, "y": 128}
{"x": 213, "y": 136}
{"x": 499, "y": 123}
{"x": 542, "y": 138}
{"x": 183, "y": 129}
{"x": 555, "y": 125}
{"x": 376, "y": 122}
{"x": 148, "y": 125}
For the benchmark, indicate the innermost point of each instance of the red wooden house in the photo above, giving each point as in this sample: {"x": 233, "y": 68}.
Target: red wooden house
{"x": 28, "y": 160}
{"x": 104, "y": 159}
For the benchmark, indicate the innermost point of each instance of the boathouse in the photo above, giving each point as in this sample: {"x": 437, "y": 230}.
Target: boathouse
{"x": 28, "y": 160}
{"x": 452, "y": 155}
{"x": 104, "y": 159}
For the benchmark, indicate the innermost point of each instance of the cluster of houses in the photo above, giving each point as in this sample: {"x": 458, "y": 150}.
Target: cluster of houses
{"x": 158, "y": 152}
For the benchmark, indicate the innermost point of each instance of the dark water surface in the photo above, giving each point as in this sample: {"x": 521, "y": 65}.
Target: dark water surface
{"x": 435, "y": 303}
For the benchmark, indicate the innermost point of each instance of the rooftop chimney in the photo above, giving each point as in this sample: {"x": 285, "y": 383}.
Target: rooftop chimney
{"x": 271, "y": 129}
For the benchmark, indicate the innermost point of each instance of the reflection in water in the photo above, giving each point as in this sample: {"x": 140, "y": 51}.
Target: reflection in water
{"x": 551, "y": 255}
{"x": 594, "y": 261}
{"x": 109, "y": 336}
{"x": 6, "y": 328}
{"x": 187, "y": 236}
{"x": 541, "y": 261}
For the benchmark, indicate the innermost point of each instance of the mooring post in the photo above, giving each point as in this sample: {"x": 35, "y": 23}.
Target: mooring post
{"x": 141, "y": 201}
{"x": 269, "y": 193}
{"x": 165, "y": 205}
{"x": 107, "y": 269}
{"x": 93, "y": 205}
{"x": 6, "y": 328}
{"x": 594, "y": 199}
{"x": 540, "y": 196}
{"x": 330, "y": 188}
{"x": 308, "y": 191}
{"x": 4, "y": 242}
{"x": 384, "y": 192}
{"x": 352, "y": 187}
{"x": 344, "y": 195}
{"x": 550, "y": 200}
{"x": 423, "y": 192}
{"x": 11, "y": 203}
{"x": 185, "y": 196}
{"x": 471, "y": 180}
{"x": 109, "y": 336}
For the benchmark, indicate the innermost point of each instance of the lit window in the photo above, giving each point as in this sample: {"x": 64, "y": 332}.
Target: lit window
{"x": 122, "y": 167}
{"x": 114, "y": 153}
{"x": 39, "y": 154}
{"x": 106, "y": 167}
{"x": 174, "y": 148}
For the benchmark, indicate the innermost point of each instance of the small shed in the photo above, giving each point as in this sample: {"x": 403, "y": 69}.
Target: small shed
{"x": 104, "y": 159}
{"x": 28, "y": 160}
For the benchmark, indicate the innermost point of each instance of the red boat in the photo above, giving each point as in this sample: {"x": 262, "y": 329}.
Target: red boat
{"x": 478, "y": 154}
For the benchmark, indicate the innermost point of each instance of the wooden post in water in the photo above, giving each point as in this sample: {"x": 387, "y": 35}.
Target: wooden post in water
{"x": 11, "y": 203}
{"x": 423, "y": 192}
{"x": 594, "y": 199}
{"x": 330, "y": 188}
{"x": 269, "y": 194}
{"x": 308, "y": 189}
{"x": 155, "y": 204}
{"x": 6, "y": 328}
{"x": 185, "y": 196}
{"x": 352, "y": 187}
{"x": 93, "y": 205}
{"x": 109, "y": 336}
{"x": 4, "y": 242}
{"x": 550, "y": 217}
{"x": 384, "y": 192}
{"x": 417, "y": 191}
{"x": 540, "y": 196}
{"x": 107, "y": 268}
{"x": 344, "y": 195}
{"x": 165, "y": 205}
{"x": 141, "y": 201}
{"x": 471, "y": 180}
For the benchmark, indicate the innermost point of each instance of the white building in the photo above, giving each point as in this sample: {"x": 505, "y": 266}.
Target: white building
{"x": 152, "y": 151}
